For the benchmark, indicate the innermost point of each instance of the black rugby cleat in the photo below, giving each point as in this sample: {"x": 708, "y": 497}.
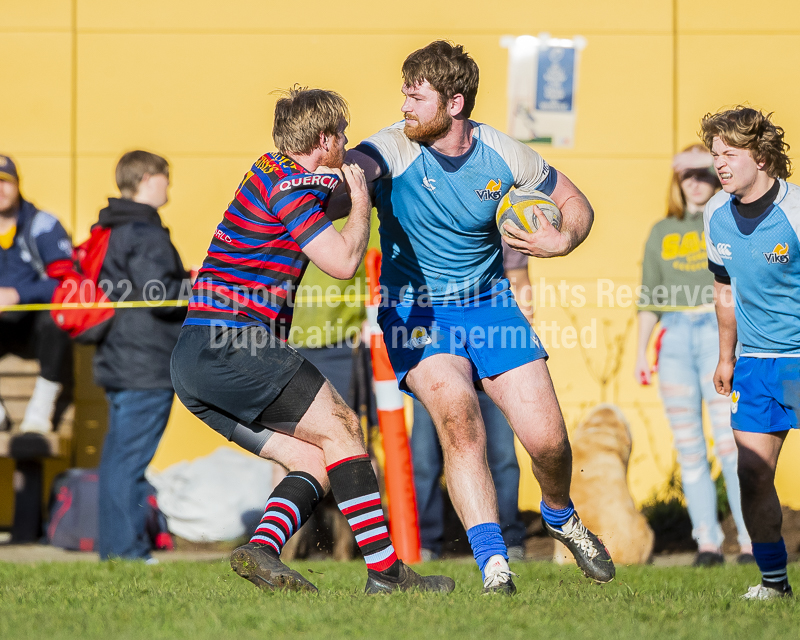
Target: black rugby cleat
{"x": 408, "y": 579}
{"x": 590, "y": 553}
{"x": 262, "y": 567}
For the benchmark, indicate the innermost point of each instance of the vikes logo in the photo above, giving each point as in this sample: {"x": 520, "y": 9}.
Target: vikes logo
{"x": 419, "y": 338}
{"x": 491, "y": 192}
{"x": 779, "y": 255}
{"x": 734, "y": 402}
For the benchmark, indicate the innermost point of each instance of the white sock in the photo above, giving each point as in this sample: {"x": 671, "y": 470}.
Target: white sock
{"x": 42, "y": 406}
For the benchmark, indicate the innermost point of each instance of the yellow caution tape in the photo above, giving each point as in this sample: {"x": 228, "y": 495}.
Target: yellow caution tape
{"x": 302, "y": 301}
{"x": 133, "y": 304}
{"x": 152, "y": 304}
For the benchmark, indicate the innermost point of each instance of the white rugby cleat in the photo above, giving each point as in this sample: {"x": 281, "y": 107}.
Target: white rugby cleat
{"x": 498, "y": 577}
{"x": 760, "y": 592}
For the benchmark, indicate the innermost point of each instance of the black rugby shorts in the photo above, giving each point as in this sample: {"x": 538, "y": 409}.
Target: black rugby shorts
{"x": 243, "y": 382}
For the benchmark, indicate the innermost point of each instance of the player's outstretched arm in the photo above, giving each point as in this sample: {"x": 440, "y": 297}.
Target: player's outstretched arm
{"x": 339, "y": 205}
{"x": 726, "y": 319}
{"x": 372, "y": 170}
{"x": 340, "y": 253}
{"x": 547, "y": 241}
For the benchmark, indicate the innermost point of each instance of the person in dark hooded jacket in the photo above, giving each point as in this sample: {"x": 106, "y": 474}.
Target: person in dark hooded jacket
{"x": 132, "y": 360}
{"x": 34, "y": 250}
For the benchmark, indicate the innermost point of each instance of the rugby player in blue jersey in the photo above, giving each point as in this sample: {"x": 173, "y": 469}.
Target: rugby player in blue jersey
{"x": 752, "y": 228}
{"x": 448, "y": 316}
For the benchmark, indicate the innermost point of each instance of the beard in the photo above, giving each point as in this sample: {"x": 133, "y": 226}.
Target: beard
{"x": 9, "y": 206}
{"x": 334, "y": 158}
{"x": 427, "y": 132}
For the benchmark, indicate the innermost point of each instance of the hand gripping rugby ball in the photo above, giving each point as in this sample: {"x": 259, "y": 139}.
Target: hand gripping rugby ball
{"x": 517, "y": 206}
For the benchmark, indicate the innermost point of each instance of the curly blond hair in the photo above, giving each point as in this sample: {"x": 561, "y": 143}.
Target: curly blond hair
{"x": 747, "y": 128}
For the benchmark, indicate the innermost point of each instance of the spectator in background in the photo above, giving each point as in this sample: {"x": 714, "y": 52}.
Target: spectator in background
{"x": 132, "y": 360}
{"x": 33, "y": 248}
{"x": 675, "y": 257}
{"x": 426, "y": 451}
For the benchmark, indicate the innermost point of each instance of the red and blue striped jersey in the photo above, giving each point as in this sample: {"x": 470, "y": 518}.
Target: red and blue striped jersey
{"x": 256, "y": 260}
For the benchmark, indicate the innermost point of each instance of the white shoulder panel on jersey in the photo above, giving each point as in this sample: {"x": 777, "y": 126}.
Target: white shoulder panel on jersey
{"x": 717, "y": 201}
{"x": 527, "y": 166}
{"x": 396, "y": 149}
{"x": 789, "y": 201}
{"x": 43, "y": 222}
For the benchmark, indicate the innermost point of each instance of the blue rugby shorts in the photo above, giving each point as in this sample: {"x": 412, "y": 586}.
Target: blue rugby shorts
{"x": 489, "y": 330}
{"x": 766, "y": 394}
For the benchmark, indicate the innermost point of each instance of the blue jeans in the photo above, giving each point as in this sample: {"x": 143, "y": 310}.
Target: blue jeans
{"x": 688, "y": 358}
{"x": 426, "y": 453}
{"x": 136, "y": 420}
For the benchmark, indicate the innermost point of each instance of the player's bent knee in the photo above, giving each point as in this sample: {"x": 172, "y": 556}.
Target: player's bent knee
{"x": 462, "y": 428}
{"x": 754, "y": 479}
{"x": 346, "y": 418}
{"x": 463, "y": 439}
{"x": 554, "y": 453}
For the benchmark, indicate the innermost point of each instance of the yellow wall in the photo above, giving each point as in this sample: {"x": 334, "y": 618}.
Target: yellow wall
{"x": 85, "y": 80}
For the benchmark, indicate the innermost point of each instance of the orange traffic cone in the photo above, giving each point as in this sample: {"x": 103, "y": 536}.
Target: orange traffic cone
{"x": 391, "y": 420}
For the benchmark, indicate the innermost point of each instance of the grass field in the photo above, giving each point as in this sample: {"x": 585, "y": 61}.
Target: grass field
{"x": 206, "y": 600}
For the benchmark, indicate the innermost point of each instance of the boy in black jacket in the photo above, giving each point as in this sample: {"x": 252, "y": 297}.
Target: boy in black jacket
{"x": 132, "y": 361}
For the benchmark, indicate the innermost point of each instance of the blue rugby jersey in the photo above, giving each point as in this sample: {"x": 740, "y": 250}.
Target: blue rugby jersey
{"x": 437, "y": 213}
{"x": 255, "y": 260}
{"x": 764, "y": 266}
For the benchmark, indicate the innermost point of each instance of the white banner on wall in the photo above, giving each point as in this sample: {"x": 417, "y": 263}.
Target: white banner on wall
{"x": 542, "y": 77}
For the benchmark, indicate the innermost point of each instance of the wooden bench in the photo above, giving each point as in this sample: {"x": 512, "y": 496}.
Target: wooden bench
{"x": 29, "y": 460}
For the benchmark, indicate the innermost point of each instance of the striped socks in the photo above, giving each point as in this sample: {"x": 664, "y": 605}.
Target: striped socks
{"x": 771, "y": 558}
{"x": 290, "y": 505}
{"x": 355, "y": 488}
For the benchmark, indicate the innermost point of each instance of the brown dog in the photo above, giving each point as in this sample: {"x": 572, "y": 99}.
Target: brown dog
{"x": 601, "y": 447}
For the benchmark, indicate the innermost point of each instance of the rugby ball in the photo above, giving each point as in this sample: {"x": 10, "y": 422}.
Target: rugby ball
{"x": 517, "y": 206}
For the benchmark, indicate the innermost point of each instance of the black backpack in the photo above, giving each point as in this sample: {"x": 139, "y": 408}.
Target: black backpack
{"x": 73, "y": 513}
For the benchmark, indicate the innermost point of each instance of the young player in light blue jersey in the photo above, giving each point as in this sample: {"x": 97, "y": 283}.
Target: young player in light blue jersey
{"x": 449, "y": 319}
{"x": 752, "y": 229}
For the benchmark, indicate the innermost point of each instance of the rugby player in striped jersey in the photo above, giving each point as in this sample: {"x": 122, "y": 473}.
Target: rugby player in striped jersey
{"x": 233, "y": 369}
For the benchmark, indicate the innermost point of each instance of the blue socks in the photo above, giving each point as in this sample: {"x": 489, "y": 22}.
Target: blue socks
{"x": 771, "y": 558}
{"x": 556, "y": 518}
{"x": 486, "y": 541}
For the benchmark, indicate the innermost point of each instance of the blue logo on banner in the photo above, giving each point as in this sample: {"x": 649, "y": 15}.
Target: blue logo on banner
{"x": 555, "y": 76}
